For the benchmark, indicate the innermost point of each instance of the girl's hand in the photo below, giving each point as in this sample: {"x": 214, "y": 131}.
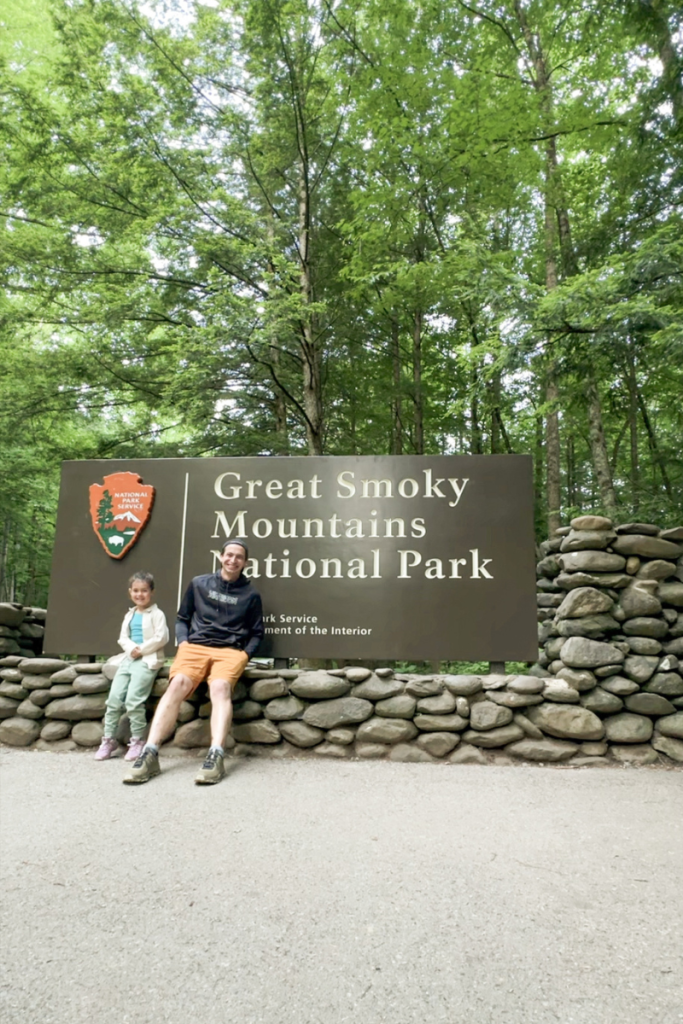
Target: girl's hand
{"x": 136, "y": 653}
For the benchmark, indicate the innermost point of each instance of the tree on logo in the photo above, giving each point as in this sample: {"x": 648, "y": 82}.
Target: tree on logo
{"x": 104, "y": 511}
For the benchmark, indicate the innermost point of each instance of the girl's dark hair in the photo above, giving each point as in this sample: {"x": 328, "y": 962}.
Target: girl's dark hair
{"x": 144, "y": 577}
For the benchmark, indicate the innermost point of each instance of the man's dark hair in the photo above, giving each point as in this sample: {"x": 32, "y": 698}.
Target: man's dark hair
{"x": 242, "y": 544}
{"x": 144, "y": 577}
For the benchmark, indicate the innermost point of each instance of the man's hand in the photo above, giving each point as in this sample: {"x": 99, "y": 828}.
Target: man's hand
{"x": 136, "y": 653}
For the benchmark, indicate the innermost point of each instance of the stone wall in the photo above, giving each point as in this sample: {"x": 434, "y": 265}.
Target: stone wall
{"x": 607, "y": 687}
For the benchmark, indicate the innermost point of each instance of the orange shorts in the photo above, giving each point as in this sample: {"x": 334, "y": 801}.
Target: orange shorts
{"x": 199, "y": 663}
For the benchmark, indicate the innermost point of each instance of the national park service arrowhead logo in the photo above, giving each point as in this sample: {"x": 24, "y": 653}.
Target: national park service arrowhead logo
{"x": 120, "y": 508}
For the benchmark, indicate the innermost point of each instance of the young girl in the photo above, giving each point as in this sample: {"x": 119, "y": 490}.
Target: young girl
{"x": 143, "y": 635}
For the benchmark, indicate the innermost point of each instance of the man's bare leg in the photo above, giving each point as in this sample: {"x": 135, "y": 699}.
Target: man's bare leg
{"x": 166, "y": 714}
{"x": 220, "y": 692}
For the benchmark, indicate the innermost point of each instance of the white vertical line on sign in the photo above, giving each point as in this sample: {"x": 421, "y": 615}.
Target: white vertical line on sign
{"x": 182, "y": 540}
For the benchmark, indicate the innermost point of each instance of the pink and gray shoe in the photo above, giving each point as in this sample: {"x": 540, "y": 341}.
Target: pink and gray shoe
{"x": 106, "y": 749}
{"x": 135, "y": 748}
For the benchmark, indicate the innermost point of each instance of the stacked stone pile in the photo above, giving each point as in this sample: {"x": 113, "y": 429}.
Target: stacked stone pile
{"x": 610, "y": 609}
{"x": 21, "y": 630}
{"x": 354, "y": 712}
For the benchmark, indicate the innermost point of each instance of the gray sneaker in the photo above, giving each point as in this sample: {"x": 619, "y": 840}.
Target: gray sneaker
{"x": 144, "y": 769}
{"x": 212, "y": 770}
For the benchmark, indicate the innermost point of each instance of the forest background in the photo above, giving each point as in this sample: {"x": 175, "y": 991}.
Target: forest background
{"x": 241, "y": 227}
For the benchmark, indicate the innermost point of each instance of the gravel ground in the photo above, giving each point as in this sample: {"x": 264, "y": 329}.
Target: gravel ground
{"x": 318, "y": 892}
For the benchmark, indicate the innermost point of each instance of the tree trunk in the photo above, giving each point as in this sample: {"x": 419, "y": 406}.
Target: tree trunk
{"x": 654, "y": 447}
{"x": 417, "y": 383}
{"x": 601, "y": 464}
{"x": 396, "y": 403}
{"x": 312, "y": 377}
{"x": 632, "y": 386}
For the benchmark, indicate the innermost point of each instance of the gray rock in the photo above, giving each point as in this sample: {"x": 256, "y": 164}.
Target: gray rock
{"x": 10, "y": 660}
{"x": 567, "y": 722}
{"x": 569, "y": 581}
{"x": 672, "y": 533}
{"x": 671, "y": 725}
{"x": 591, "y": 561}
{"x": 549, "y": 600}
{"x": 186, "y": 712}
{"x": 89, "y": 668}
{"x": 664, "y": 744}
{"x": 671, "y": 593}
{"x": 13, "y": 690}
{"x": 7, "y": 632}
{"x": 635, "y": 753}
{"x": 669, "y": 684}
{"x": 649, "y": 704}
{"x": 494, "y": 738}
{"x": 591, "y": 522}
{"x": 620, "y": 686}
{"x": 408, "y": 754}
{"x": 384, "y": 673}
{"x": 284, "y": 709}
{"x": 670, "y": 663}
{"x": 341, "y": 737}
{"x": 193, "y": 734}
{"x": 376, "y": 688}
{"x": 108, "y": 669}
{"x": 640, "y": 667}
{"x": 371, "y": 751}
{"x": 628, "y": 728}
{"x": 644, "y": 645}
{"x": 264, "y": 690}
{"x": 31, "y": 682}
{"x": 440, "y": 723}
{"x": 674, "y": 647}
{"x": 332, "y": 750}
{"x": 386, "y": 730}
{"x": 438, "y": 744}
{"x": 91, "y": 684}
{"x": 632, "y": 565}
{"x": 73, "y": 709}
{"x": 525, "y": 684}
{"x": 644, "y": 626}
{"x": 8, "y": 707}
{"x": 594, "y": 749}
{"x": 27, "y": 709}
{"x": 584, "y": 601}
{"x": 581, "y": 540}
{"x": 57, "y": 747}
{"x": 560, "y": 692}
{"x": 41, "y": 666}
{"x": 578, "y": 679}
{"x": 60, "y": 690}
{"x": 162, "y": 684}
{"x": 463, "y": 686}
{"x": 343, "y": 711}
{"x": 401, "y": 706}
{"x": 578, "y": 652}
{"x": 515, "y": 700}
{"x": 542, "y": 750}
{"x": 646, "y": 528}
{"x": 41, "y": 697}
{"x": 639, "y": 600}
{"x": 319, "y": 686}
{"x": 261, "y": 731}
{"x": 487, "y": 715}
{"x": 462, "y": 707}
{"x": 527, "y": 726}
{"x": 19, "y": 732}
{"x": 8, "y": 645}
{"x": 11, "y": 675}
{"x": 246, "y": 711}
{"x": 645, "y": 546}
{"x": 548, "y": 566}
{"x": 593, "y": 626}
{"x": 554, "y": 646}
{"x": 53, "y": 731}
{"x": 300, "y": 734}
{"x": 676, "y": 628}
{"x": 442, "y": 704}
{"x": 87, "y": 734}
{"x": 656, "y": 570}
{"x": 425, "y": 687}
{"x": 66, "y": 675}
{"x": 357, "y": 675}
{"x": 12, "y": 615}
{"x": 494, "y": 681}
{"x": 539, "y": 671}
{"x": 467, "y": 754}
{"x": 602, "y": 702}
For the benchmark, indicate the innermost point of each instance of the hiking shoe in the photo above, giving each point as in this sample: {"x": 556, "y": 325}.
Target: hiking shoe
{"x": 106, "y": 749}
{"x": 212, "y": 770}
{"x": 135, "y": 748}
{"x": 144, "y": 769}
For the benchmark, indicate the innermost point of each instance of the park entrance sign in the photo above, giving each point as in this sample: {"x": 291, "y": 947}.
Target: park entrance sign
{"x": 396, "y": 557}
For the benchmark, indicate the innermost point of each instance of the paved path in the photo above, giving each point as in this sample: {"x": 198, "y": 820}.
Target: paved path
{"x": 316, "y": 892}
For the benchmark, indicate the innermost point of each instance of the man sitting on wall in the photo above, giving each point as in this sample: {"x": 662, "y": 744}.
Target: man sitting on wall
{"x": 218, "y": 628}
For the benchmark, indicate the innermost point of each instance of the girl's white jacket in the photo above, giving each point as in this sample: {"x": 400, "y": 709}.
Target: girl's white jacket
{"x": 154, "y": 636}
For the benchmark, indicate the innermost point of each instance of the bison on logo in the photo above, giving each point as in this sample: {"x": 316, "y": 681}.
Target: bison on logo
{"x": 120, "y": 508}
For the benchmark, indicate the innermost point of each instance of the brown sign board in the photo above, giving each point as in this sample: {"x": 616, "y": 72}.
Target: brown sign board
{"x": 387, "y": 557}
